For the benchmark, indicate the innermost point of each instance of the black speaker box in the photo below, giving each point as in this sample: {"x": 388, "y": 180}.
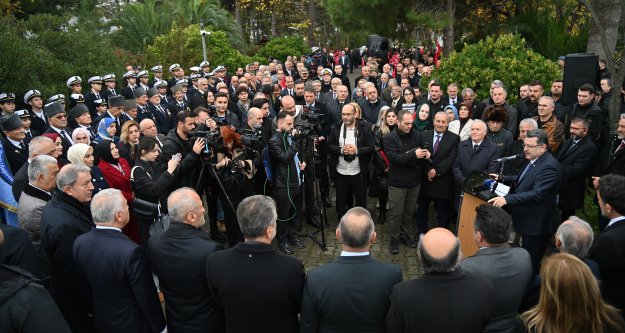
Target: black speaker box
{"x": 579, "y": 69}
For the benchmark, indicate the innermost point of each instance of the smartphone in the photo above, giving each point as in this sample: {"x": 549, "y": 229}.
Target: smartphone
{"x": 177, "y": 157}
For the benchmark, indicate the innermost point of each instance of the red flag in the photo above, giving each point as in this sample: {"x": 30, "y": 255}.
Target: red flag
{"x": 439, "y": 51}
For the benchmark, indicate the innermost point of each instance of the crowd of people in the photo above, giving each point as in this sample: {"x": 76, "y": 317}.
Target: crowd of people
{"x": 110, "y": 187}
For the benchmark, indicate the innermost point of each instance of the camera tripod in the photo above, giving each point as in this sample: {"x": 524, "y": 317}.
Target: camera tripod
{"x": 321, "y": 211}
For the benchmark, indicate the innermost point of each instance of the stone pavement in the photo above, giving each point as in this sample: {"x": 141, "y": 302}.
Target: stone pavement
{"x": 313, "y": 256}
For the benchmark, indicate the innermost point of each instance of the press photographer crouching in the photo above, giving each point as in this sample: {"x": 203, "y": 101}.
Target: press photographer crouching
{"x": 234, "y": 165}
{"x": 288, "y": 170}
{"x": 149, "y": 183}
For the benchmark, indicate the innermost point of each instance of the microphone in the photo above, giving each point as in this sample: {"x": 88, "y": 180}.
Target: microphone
{"x": 426, "y": 146}
{"x": 509, "y": 158}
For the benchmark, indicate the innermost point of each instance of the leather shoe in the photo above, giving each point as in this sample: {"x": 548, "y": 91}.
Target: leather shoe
{"x": 408, "y": 241}
{"x": 313, "y": 222}
{"x": 297, "y": 243}
{"x": 285, "y": 248}
{"x": 394, "y": 246}
{"x": 218, "y": 237}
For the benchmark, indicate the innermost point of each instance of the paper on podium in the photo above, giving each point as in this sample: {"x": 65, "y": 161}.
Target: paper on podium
{"x": 501, "y": 189}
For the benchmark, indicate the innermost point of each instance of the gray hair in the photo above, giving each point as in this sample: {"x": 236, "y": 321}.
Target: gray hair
{"x": 438, "y": 265}
{"x": 497, "y": 83}
{"x": 106, "y": 204}
{"x": 622, "y": 117}
{"x": 468, "y": 91}
{"x": 481, "y": 122}
{"x": 69, "y": 175}
{"x": 39, "y": 166}
{"x": 552, "y": 102}
{"x": 529, "y": 121}
{"x": 576, "y": 237}
{"x": 255, "y": 214}
{"x": 35, "y": 148}
{"x": 392, "y": 82}
{"x": 183, "y": 205}
{"x": 353, "y": 236}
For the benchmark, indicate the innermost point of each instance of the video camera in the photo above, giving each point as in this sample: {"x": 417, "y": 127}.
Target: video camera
{"x": 309, "y": 122}
{"x": 251, "y": 139}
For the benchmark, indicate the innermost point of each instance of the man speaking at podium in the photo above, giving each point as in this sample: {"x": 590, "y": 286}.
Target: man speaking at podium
{"x": 532, "y": 199}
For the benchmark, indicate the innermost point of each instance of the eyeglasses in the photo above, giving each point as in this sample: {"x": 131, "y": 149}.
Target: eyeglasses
{"x": 408, "y": 94}
{"x": 61, "y": 116}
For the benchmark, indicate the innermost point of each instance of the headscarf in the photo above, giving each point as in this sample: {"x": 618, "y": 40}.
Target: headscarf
{"x": 419, "y": 124}
{"x": 76, "y": 153}
{"x": 103, "y": 133}
{"x": 103, "y": 151}
{"x": 79, "y": 130}
{"x": 52, "y": 136}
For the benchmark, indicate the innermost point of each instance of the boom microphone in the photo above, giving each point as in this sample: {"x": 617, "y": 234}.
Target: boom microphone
{"x": 509, "y": 158}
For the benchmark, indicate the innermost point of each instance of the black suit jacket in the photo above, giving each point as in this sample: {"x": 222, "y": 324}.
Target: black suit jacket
{"x": 577, "y": 162}
{"x": 17, "y": 250}
{"x": 182, "y": 248}
{"x": 364, "y": 142}
{"x": 532, "y": 200}
{"x": 20, "y": 179}
{"x": 64, "y": 219}
{"x": 120, "y": 282}
{"x": 451, "y": 302}
{"x": 260, "y": 289}
{"x": 481, "y": 160}
{"x": 164, "y": 122}
{"x": 608, "y": 250}
{"x": 442, "y": 186}
{"x": 609, "y": 162}
{"x": 37, "y": 123}
{"x": 349, "y": 294}
{"x": 15, "y": 156}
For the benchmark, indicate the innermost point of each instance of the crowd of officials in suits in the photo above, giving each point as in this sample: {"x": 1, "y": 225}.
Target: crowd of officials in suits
{"x": 82, "y": 166}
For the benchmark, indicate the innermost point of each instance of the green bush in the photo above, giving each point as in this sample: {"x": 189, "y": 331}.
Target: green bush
{"x": 45, "y": 50}
{"x": 506, "y": 58}
{"x": 282, "y": 47}
{"x": 183, "y": 45}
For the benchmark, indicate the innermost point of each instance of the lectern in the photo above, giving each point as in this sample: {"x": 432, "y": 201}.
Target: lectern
{"x": 475, "y": 192}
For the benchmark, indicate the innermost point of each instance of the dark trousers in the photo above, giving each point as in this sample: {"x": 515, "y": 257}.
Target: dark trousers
{"x": 237, "y": 191}
{"x": 443, "y": 213}
{"x": 347, "y": 187}
{"x": 288, "y": 204}
{"x": 536, "y": 246}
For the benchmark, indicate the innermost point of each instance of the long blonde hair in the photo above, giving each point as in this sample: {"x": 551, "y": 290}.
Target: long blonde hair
{"x": 570, "y": 300}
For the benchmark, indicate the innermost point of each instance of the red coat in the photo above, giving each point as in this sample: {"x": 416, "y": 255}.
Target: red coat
{"x": 120, "y": 181}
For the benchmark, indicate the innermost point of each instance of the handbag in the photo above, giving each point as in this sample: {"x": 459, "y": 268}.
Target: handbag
{"x": 143, "y": 209}
{"x": 160, "y": 224}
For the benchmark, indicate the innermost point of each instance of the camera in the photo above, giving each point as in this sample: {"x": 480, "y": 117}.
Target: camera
{"x": 349, "y": 158}
{"x": 251, "y": 139}
{"x": 309, "y": 122}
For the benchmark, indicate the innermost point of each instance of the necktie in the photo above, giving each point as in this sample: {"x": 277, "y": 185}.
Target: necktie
{"x": 113, "y": 93}
{"x": 160, "y": 109}
{"x": 290, "y": 92}
{"x": 475, "y": 147}
{"x": 22, "y": 145}
{"x": 29, "y": 135}
{"x": 333, "y": 96}
{"x": 97, "y": 96}
{"x": 64, "y": 134}
{"x": 91, "y": 133}
{"x": 573, "y": 144}
{"x": 437, "y": 143}
{"x": 527, "y": 168}
{"x": 181, "y": 105}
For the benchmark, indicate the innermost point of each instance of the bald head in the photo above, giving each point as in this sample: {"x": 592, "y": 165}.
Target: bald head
{"x": 181, "y": 203}
{"x": 439, "y": 251}
{"x": 255, "y": 117}
{"x": 356, "y": 230}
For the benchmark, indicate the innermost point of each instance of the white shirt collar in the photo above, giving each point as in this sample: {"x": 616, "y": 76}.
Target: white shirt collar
{"x": 354, "y": 254}
{"x": 616, "y": 219}
{"x": 15, "y": 143}
{"x": 107, "y": 228}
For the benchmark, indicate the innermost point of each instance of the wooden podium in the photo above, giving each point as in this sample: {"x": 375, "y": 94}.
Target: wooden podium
{"x": 466, "y": 219}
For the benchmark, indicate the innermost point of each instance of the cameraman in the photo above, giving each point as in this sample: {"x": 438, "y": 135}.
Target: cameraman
{"x": 322, "y": 131}
{"x": 351, "y": 146}
{"x": 178, "y": 142}
{"x": 287, "y": 178}
{"x": 222, "y": 115}
{"x": 254, "y": 128}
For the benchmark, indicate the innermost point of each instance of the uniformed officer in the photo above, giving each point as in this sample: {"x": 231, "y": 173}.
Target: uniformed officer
{"x": 39, "y": 119}
{"x": 7, "y": 103}
{"x": 74, "y": 84}
{"x": 15, "y": 149}
{"x": 96, "y": 84}
{"x": 131, "y": 84}
{"x": 109, "y": 81}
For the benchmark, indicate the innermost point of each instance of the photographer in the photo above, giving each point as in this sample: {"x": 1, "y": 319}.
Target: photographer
{"x": 179, "y": 142}
{"x": 351, "y": 146}
{"x": 147, "y": 180}
{"x": 287, "y": 178}
{"x": 259, "y": 136}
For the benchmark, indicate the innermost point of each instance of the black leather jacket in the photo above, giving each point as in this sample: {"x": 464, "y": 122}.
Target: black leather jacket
{"x": 282, "y": 160}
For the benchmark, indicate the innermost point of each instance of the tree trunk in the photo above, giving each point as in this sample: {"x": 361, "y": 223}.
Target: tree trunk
{"x": 609, "y": 14}
{"x": 237, "y": 12}
{"x": 311, "y": 17}
{"x": 274, "y": 32}
{"x": 448, "y": 32}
